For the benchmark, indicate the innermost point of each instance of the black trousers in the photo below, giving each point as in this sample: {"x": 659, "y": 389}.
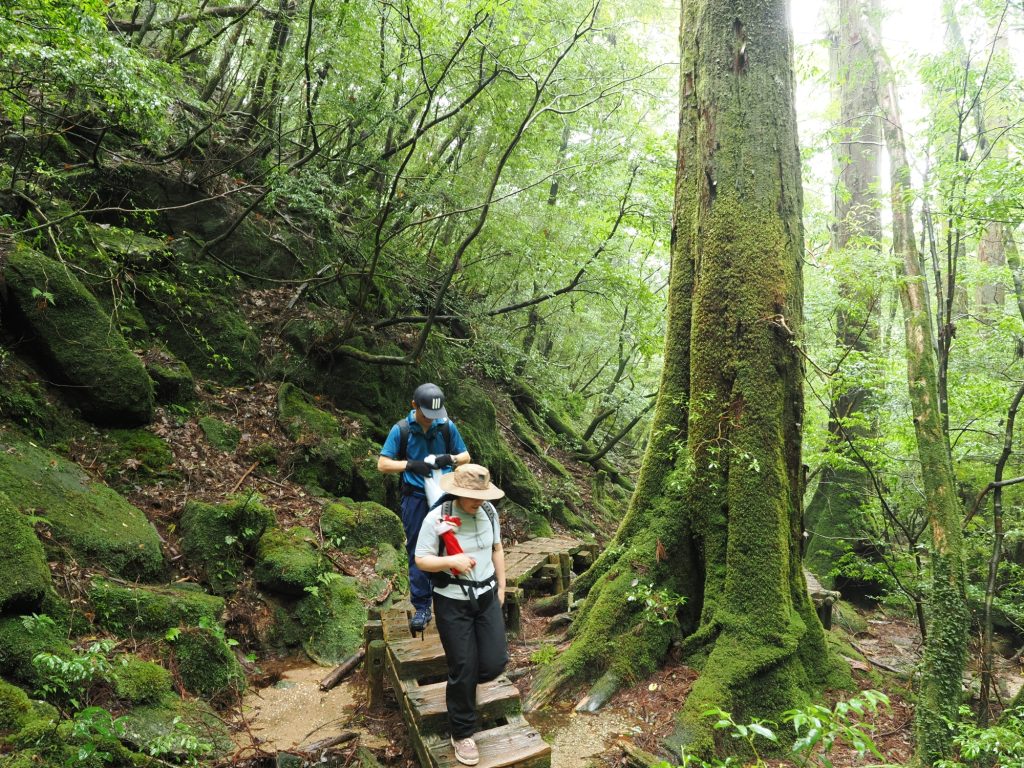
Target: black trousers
{"x": 476, "y": 651}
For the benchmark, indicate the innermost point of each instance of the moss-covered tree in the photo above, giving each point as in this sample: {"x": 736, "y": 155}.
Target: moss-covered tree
{"x": 716, "y": 516}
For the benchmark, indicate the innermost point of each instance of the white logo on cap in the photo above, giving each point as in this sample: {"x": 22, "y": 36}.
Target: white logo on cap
{"x": 435, "y": 403}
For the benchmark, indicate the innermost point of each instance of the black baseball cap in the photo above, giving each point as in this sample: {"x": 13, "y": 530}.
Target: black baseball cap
{"x": 430, "y": 400}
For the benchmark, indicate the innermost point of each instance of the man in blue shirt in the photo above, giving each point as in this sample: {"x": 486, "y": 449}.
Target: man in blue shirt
{"x": 426, "y": 431}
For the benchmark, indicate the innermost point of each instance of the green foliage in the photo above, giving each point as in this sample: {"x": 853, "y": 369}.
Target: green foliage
{"x": 657, "y": 606}
{"x": 219, "y": 538}
{"x": 996, "y": 745}
{"x": 818, "y": 730}
{"x": 544, "y": 655}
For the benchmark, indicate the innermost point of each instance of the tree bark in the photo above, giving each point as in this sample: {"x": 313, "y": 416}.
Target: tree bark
{"x": 716, "y": 514}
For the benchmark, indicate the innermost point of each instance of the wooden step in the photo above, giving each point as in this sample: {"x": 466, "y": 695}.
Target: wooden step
{"x": 417, "y": 657}
{"x": 498, "y": 698}
{"x": 516, "y": 744}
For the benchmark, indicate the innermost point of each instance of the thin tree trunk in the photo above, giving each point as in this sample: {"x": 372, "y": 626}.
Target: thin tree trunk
{"x": 945, "y": 653}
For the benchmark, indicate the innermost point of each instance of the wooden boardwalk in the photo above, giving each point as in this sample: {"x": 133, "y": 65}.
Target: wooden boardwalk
{"x": 415, "y": 668}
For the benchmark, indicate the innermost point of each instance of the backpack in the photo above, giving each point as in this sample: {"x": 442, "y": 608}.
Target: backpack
{"x": 445, "y": 577}
{"x": 403, "y": 438}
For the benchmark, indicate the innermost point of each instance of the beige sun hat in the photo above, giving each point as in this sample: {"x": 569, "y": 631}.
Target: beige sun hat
{"x": 471, "y": 481}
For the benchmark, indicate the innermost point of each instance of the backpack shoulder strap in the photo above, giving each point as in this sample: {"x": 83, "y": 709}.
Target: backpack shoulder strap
{"x": 446, "y": 430}
{"x": 403, "y": 439}
{"x": 492, "y": 515}
{"x": 446, "y": 510}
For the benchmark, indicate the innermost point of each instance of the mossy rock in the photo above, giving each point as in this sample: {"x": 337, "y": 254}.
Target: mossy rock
{"x": 218, "y": 538}
{"x": 288, "y": 562}
{"x": 91, "y": 521}
{"x": 172, "y": 379}
{"x": 24, "y": 574}
{"x": 473, "y": 411}
{"x": 191, "y": 309}
{"x": 145, "y": 724}
{"x": 78, "y": 341}
{"x": 135, "y": 455}
{"x": 25, "y": 403}
{"x": 128, "y": 611}
{"x": 207, "y": 665}
{"x": 300, "y": 419}
{"x": 222, "y": 436}
{"x": 21, "y": 641}
{"x": 139, "y": 681}
{"x": 354, "y": 525}
{"x": 393, "y": 565}
{"x": 333, "y": 619}
{"x": 15, "y": 708}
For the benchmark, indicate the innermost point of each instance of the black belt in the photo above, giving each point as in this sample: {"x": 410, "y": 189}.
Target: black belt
{"x": 413, "y": 490}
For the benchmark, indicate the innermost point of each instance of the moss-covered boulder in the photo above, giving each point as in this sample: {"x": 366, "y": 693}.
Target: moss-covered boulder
{"x": 222, "y": 436}
{"x": 78, "y": 341}
{"x": 473, "y": 411}
{"x": 207, "y": 665}
{"x": 288, "y": 562}
{"x": 145, "y": 724}
{"x": 172, "y": 379}
{"x": 332, "y": 618}
{"x": 392, "y": 565}
{"x": 361, "y": 525}
{"x": 218, "y": 538}
{"x": 15, "y": 708}
{"x": 139, "y": 681}
{"x": 331, "y": 457}
{"x": 24, "y": 574}
{"x": 138, "y": 610}
{"x": 22, "y": 639}
{"x": 89, "y": 521}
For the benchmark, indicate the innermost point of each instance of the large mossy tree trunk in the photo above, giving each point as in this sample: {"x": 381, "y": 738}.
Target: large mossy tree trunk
{"x": 716, "y": 515}
{"x": 844, "y": 487}
{"x": 945, "y": 651}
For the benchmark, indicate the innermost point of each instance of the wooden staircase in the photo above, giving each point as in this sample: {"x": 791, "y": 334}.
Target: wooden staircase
{"x": 415, "y": 669}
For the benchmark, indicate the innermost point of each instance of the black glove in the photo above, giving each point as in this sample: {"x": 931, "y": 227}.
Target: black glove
{"x": 444, "y": 460}
{"x": 417, "y": 467}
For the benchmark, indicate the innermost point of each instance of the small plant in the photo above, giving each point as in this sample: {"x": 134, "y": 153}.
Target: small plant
{"x": 656, "y": 606}
{"x": 544, "y": 655}
{"x": 69, "y": 679}
{"x": 818, "y": 729}
{"x": 91, "y": 727}
{"x": 181, "y": 743}
{"x": 1001, "y": 744}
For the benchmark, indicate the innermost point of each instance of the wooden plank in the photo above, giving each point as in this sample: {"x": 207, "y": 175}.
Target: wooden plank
{"x": 395, "y": 624}
{"x": 515, "y": 744}
{"x": 497, "y": 698}
{"x": 417, "y": 657}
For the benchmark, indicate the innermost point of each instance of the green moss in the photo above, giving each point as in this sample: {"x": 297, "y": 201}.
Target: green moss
{"x": 128, "y": 611}
{"x": 24, "y": 574}
{"x": 19, "y": 644}
{"x": 392, "y": 565}
{"x": 361, "y": 525}
{"x": 78, "y": 340}
{"x": 473, "y": 411}
{"x": 207, "y": 666}
{"x": 15, "y": 708}
{"x": 135, "y": 455}
{"x": 171, "y": 377}
{"x": 332, "y": 619}
{"x": 217, "y": 538}
{"x": 300, "y": 419}
{"x": 25, "y": 403}
{"x": 90, "y": 520}
{"x": 328, "y": 460}
{"x": 288, "y": 562}
{"x": 140, "y": 681}
{"x": 147, "y": 723}
{"x": 265, "y": 453}
{"x": 224, "y": 437}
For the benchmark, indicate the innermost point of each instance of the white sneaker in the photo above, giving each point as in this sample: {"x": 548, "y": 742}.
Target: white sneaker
{"x": 466, "y": 751}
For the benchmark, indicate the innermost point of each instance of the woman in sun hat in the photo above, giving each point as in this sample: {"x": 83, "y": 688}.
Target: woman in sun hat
{"x": 469, "y": 592}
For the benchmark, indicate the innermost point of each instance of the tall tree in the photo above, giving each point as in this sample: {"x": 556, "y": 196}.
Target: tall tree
{"x": 945, "y": 653}
{"x": 844, "y": 485}
{"x": 715, "y": 519}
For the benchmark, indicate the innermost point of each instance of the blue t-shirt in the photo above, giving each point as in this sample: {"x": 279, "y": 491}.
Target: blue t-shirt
{"x": 422, "y": 445}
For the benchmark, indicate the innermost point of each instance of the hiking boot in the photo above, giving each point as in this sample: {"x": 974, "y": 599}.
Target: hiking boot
{"x": 466, "y": 751}
{"x": 420, "y": 619}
